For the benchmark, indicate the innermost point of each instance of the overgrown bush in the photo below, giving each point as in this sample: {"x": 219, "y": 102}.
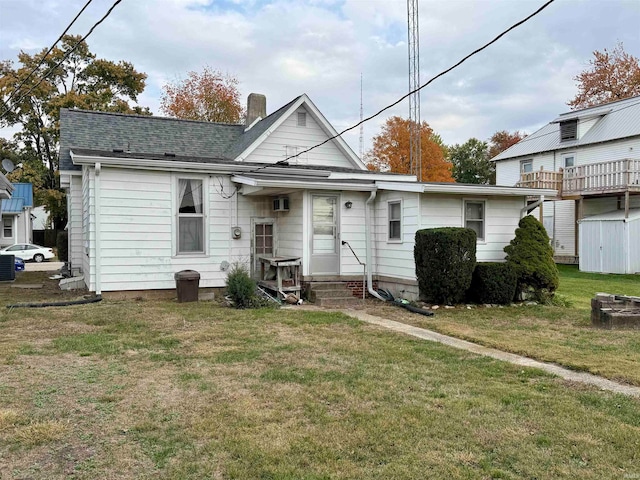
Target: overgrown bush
{"x": 240, "y": 286}
{"x": 445, "y": 259}
{"x": 531, "y": 256}
{"x": 493, "y": 283}
{"x": 62, "y": 246}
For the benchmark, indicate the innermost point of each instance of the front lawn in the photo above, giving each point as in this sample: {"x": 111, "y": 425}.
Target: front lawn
{"x": 556, "y": 334}
{"x": 155, "y": 389}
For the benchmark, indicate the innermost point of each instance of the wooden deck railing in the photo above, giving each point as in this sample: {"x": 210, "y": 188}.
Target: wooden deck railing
{"x": 541, "y": 179}
{"x": 616, "y": 176}
{"x": 604, "y": 177}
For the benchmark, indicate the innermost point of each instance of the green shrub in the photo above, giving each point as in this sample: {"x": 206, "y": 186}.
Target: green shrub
{"x": 240, "y": 286}
{"x": 62, "y": 245}
{"x": 493, "y": 283}
{"x": 445, "y": 259}
{"x": 531, "y": 256}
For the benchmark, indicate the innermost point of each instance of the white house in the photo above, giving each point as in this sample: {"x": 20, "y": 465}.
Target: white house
{"x": 150, "y": 196}
{"x": 591, "y": 157}
{"x": 16, "y": 215}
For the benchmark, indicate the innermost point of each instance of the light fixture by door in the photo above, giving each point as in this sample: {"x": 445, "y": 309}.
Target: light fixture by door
{"x": 348, "y": 204}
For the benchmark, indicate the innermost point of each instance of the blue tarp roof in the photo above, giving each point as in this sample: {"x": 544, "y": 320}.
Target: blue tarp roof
{"x": 21, "y": 197}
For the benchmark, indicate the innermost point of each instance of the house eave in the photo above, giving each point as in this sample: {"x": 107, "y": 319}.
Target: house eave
{"x": 467, "y": 189}
{"x": 301, "y": 184}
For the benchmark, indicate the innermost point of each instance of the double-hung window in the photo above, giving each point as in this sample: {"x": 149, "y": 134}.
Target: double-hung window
{"x": 7, "y": 227}
{"x": 474, "y": 217}
{"x": 190, "y": 216}
{"x": 395, "y": 220}
{"x": 526, "y": 166}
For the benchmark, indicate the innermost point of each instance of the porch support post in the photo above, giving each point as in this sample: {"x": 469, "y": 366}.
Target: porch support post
{"x": 579, "y": 215}
{"x": 626, "y": 204}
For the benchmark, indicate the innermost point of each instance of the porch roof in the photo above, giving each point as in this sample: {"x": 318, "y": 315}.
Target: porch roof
{"x": 256, "y": 184}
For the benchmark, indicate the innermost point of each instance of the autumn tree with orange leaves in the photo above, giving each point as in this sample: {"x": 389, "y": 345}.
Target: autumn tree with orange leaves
{"x": 390, "y": 152}
{"x": 209, "y": 96}
{"x": 502, "y": 140}
{"x": 611, "y": 76}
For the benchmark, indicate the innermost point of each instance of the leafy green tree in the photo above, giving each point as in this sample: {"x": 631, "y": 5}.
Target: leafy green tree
{"x": 471, "y": 162}
{"x": 81, "y": 80}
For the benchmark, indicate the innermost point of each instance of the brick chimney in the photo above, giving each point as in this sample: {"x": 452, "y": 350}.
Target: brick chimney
{"x": 256, "y": 107}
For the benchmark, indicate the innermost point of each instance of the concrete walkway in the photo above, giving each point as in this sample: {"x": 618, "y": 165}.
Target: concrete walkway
{"x": 552, "y": 368}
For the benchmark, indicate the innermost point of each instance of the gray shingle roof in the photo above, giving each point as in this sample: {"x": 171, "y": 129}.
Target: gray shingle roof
{"x": 142, "y": 134}
{"x": 618, "y": 120}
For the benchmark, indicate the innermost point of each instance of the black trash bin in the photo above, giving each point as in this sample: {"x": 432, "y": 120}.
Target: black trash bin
{"x": 7, "y": 268}
{"x": 187, "y": 284}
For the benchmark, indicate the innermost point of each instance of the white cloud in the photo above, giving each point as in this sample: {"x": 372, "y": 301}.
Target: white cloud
{"x": 283, "y": 48}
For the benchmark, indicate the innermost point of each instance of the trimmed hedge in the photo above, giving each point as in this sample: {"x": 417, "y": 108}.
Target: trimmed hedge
{"x": 531, "y": 256}
{"x": 493, "y": 283}
{"x": 62, "y": 246}
{"x": 445, "y": 259}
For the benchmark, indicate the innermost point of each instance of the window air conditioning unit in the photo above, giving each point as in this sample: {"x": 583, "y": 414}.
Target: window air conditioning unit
{"x": 281, "y": 204}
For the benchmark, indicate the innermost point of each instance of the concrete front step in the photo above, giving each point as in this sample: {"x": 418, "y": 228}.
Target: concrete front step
{"x": 327, "y": 285}
{"x": 316, "y": 294}
{"x": 338, "y": 302}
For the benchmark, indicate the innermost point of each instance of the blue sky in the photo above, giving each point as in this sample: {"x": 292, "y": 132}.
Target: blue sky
{"x": 284, "y": 48}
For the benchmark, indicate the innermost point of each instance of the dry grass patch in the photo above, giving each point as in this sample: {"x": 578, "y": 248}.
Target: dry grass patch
{"x": 39, "y": 432}
{"x": 556, "y": 334}
{"x": 160, "y": 390}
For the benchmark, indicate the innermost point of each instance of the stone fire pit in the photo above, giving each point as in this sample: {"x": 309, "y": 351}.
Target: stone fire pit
{"x": 615, "y": 311}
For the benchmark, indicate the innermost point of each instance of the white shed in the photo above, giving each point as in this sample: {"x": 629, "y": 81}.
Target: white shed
{"x": 609, "y": 243}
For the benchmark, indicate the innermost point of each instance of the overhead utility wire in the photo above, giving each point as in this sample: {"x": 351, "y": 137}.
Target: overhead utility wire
{"x": 44, "y": 57}
{"x": 115, "y": 4}
{"x": 431, "y": 80}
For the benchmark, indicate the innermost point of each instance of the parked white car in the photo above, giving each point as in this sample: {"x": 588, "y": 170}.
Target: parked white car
{"x": 28, "y": 251}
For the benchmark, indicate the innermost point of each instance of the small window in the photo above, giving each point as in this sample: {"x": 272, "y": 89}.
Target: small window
{"x": 395, "y": 220}
{"x": 190, "y": 216}
{"x": 7, "y": 227}
{"x": 302, "y": 119}
{"x": 526, "y": 166}
{"x": 474, "y": 217}
{"x": 569, "y": 161}
{"x": 568, "y": 130}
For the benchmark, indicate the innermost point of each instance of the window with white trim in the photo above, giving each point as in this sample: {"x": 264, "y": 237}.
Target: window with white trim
{"x": 7, "y": 227}
{"x": 526, "y": 166}
{"x": 395, "y": 220}
{"x": 190, "y": 216}
{"x": 569, "y": 160}
{"x": 474, "y": 217}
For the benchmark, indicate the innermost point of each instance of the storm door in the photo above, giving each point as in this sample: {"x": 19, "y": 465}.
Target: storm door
{"x": 325, "y": 235}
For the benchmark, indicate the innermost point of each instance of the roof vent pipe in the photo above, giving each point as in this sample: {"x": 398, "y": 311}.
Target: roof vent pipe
{"x": 256, "y": 108}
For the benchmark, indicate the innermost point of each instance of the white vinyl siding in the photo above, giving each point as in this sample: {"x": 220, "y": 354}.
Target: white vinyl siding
{"x": 272, "y": 149}
{"x": 76, "y": 256}
{"x": 352, "y": 231}
{"x": 138, "y": 230}
{"x": 289, "y": 227}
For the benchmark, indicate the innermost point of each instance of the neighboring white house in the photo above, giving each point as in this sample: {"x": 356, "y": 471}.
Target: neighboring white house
{"x": 591, "y": 157}
{"x": 150, "y": 196}
{"x": 16, "y": 216}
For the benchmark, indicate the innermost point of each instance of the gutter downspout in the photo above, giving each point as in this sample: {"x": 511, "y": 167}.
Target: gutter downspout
{"x": 527, "y": 208}
{"x": 367, "y": 242}
{"x": 96, "y": 202}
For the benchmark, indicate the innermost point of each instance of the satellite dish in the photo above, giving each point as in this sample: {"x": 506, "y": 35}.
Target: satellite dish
{"x": 8, "y": 165}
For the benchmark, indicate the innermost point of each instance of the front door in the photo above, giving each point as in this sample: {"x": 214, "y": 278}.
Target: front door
{"x": 325, "y": 235}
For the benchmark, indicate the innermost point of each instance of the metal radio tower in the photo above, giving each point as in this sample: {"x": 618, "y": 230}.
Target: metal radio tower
{"x": 415, "y": 162}
{"x": 361, "y": 125}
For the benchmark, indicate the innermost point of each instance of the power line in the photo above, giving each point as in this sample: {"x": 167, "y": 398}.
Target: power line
{"x": 431, "y": 80}
{"x": 115, "y": 4}
{"x": 44, "y": 57}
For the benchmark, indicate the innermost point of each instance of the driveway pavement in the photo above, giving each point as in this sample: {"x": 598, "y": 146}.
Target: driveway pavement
{"x": 42, "y": 267}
